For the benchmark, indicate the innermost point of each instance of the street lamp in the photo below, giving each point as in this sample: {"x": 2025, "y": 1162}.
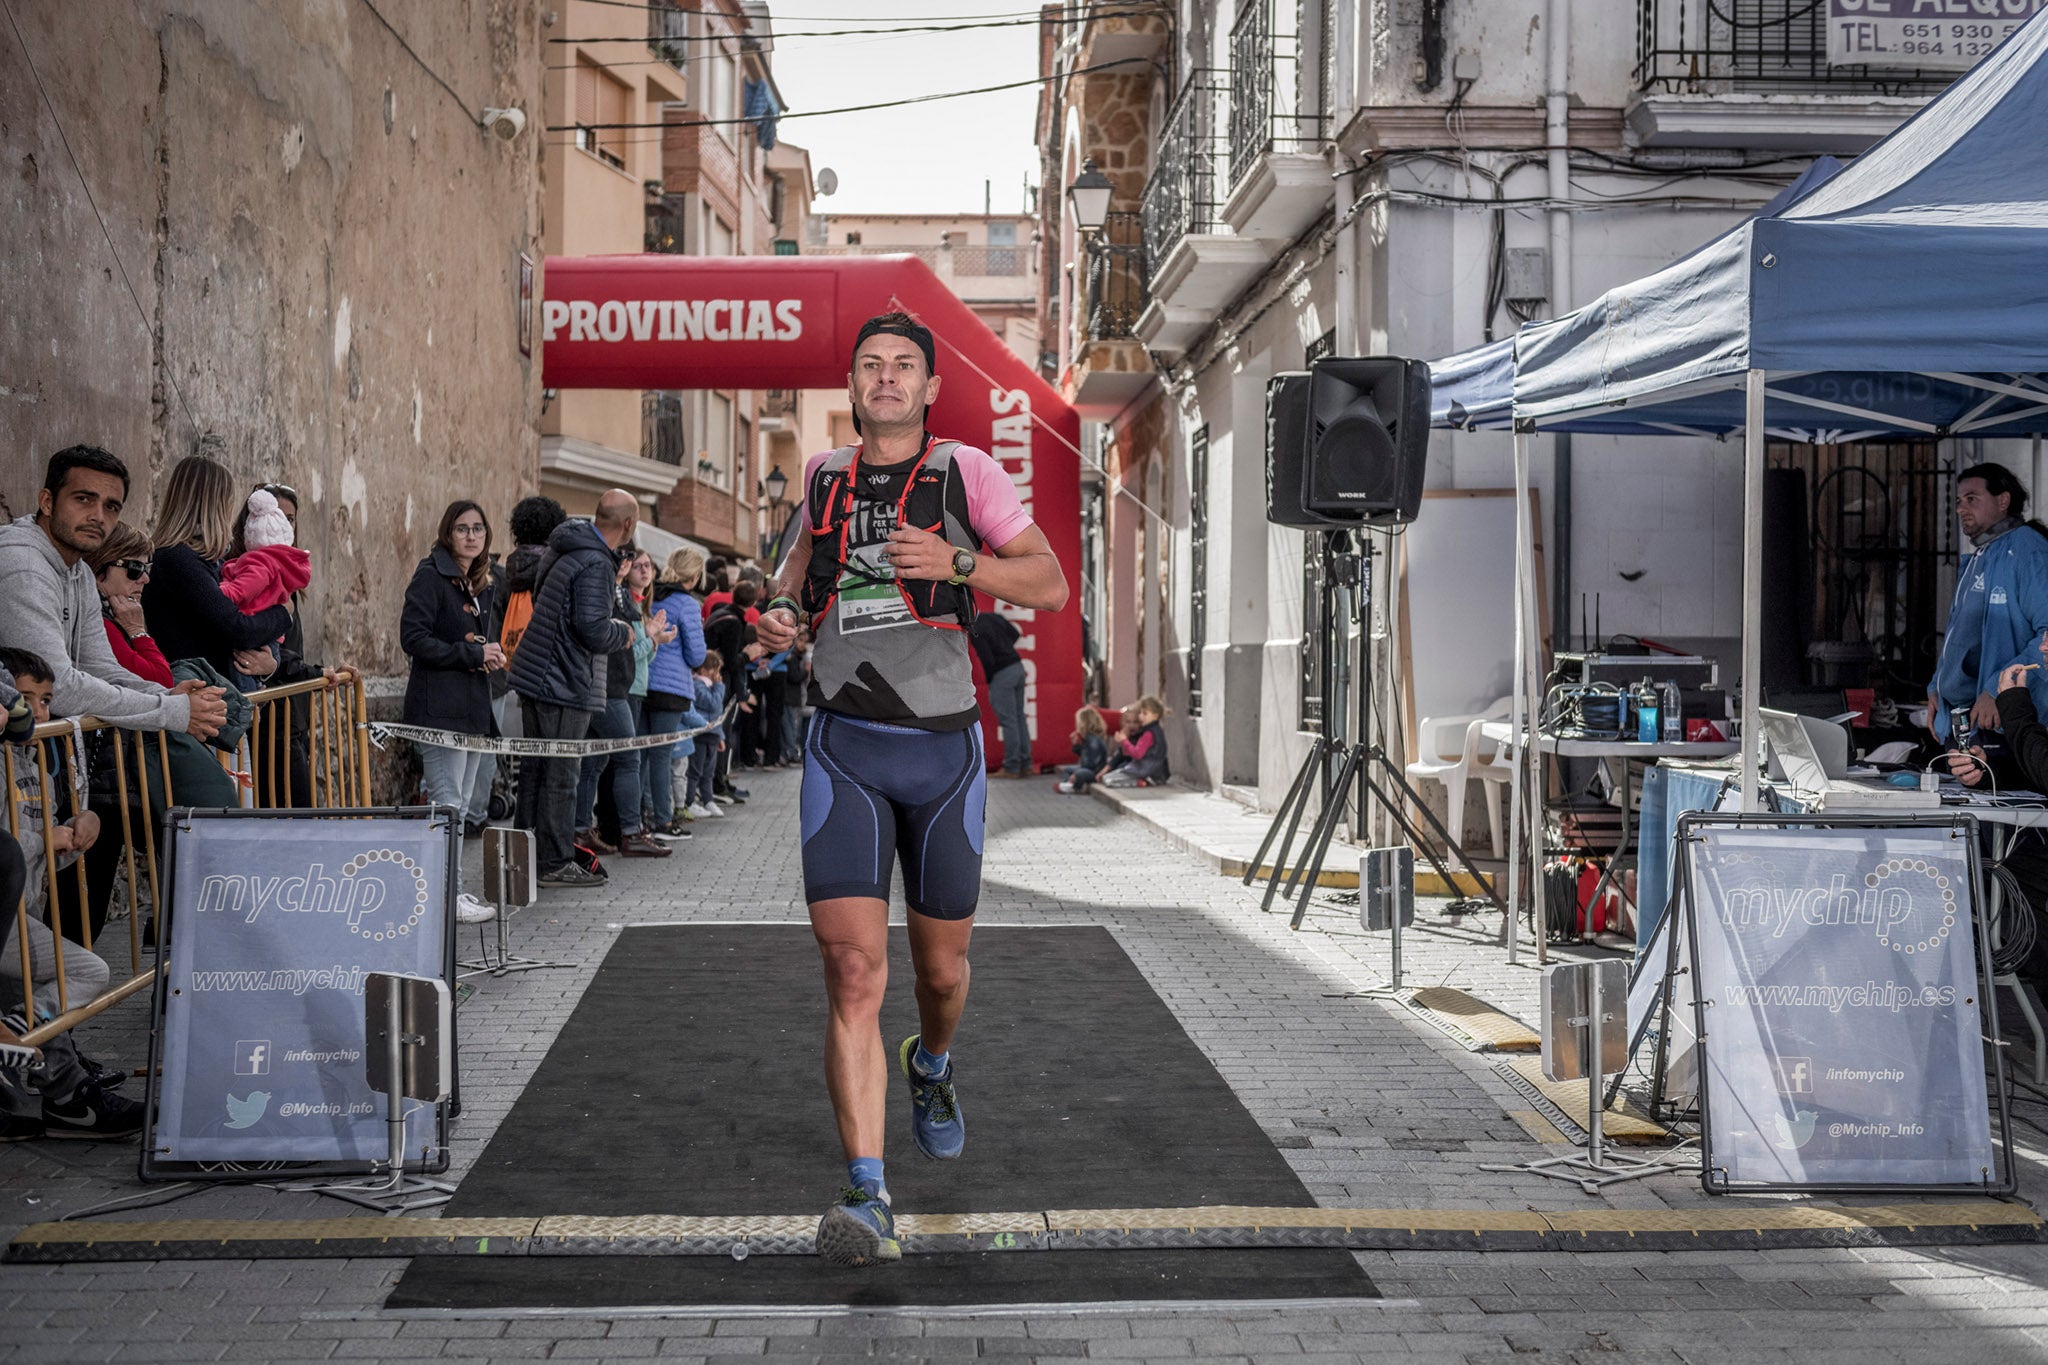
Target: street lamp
{"x": 775, "y": 485}
{"x": 1090, "y": 195}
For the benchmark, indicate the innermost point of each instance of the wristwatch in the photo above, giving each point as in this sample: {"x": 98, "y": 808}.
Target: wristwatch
{"x": 963, "y": 565}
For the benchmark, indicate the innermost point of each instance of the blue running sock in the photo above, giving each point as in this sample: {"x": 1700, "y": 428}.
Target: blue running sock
{"x": 865, "y": 1172}
{"x": 927, "y": 1065}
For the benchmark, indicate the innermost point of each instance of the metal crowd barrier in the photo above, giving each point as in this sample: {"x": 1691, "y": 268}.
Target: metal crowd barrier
{"x": 333, "y": 722}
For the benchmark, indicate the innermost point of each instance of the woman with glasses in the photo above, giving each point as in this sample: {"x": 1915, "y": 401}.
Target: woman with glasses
{"x": 121, "y": 566}
{"x": 444, "y": 631}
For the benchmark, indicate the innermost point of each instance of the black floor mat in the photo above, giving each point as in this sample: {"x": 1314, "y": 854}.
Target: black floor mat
{"x": 689, "y": 1081}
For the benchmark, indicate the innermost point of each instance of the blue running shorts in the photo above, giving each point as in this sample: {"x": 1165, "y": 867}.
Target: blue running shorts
{"x": 874, "y": 792}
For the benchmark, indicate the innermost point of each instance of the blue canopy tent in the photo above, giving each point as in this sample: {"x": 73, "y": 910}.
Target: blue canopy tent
{"x": 1904, "y": 294}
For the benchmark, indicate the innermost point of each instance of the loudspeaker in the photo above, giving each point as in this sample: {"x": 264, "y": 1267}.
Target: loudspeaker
{"x": 1346, "y": 443}
{"x": 1286, "y": 446}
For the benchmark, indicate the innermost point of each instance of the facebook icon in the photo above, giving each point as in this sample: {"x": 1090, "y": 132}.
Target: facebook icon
{"x": 252, "y": 1057}
{"x": 1795, "y": 1075}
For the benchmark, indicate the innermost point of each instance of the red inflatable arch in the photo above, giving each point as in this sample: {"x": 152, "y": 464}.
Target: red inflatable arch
{"x": 788, "y": 322}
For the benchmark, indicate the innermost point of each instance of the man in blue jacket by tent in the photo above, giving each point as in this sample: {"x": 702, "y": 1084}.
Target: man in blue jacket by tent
{"x": 2001, "y": 603}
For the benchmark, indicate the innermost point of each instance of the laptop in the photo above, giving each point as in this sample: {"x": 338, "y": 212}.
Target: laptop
{"x": 1811, "y": 756}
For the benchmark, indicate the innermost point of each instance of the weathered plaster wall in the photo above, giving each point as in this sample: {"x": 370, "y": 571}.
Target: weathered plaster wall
{"x": 309, "y": 267}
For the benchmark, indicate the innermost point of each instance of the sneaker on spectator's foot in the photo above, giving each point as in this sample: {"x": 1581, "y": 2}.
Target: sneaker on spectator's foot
{"x": 93, "y": 1113}
{"x": 674, "y": 831}
{"x": 859, "y": 1230}
{"x": 638, "y": 845}
{"x": 572, "y": 875}
{"x": 591, "y": 839}
{"x": 1064, "y": 785}
{"x": 471, "y": 910}
{"x": 711, "y": 810}
{"x": 19, "y": 1127}
{"x": 740, "y": 794}
{"x": 108, "y": 1078}
{"x": 935, "y": 1120}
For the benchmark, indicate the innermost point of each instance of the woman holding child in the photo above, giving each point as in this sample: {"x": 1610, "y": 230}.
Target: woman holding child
{"x": 190, "y": 614}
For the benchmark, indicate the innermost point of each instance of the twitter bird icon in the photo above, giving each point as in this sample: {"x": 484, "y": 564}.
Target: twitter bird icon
{"x": 248, "y": 1113}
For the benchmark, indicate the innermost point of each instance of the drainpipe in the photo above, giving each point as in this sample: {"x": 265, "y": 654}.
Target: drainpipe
{"x": 1557, "y": 142}
{"x": 1343, "y": 99}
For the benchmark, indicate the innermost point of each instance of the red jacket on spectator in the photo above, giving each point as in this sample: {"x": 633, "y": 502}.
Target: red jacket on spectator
{"x": 713, "y": 601}
{"x": 139, "y": 656}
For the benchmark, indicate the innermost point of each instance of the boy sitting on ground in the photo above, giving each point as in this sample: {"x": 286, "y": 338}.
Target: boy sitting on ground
{"x": 76, "y": 1099}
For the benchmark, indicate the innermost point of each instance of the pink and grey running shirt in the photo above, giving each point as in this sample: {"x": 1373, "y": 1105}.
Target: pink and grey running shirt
{"x": 873, "y": 658}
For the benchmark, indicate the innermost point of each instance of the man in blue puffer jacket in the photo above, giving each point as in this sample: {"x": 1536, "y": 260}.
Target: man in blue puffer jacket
{"x": 559, "y": 671}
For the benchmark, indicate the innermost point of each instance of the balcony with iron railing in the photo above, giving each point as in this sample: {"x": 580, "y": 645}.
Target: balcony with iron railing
{"x": 1001, "y": 262}
{"x": 662, "y": 437}
{"x": 668, "y": 33}
{"x": 1116, "y": 278}
{"x": 924, "y": 251}
{"x": 1279, "y": 179}
{"x": 1181, "y": 198}
{"x": 1759, "y": 74}
{"x": 1111, "y": 365}
{"x": 1195, "y": 263}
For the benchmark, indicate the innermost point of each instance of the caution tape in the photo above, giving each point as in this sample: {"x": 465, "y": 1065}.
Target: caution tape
{"x": 381, "y": 731}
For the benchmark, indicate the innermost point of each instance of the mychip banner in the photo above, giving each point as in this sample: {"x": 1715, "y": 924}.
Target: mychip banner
{"x": 1836, "y": 981}
{"x": 276, "y": 922}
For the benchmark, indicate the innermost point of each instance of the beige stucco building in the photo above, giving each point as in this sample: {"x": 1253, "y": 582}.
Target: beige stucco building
{"x": 280, "y": 236}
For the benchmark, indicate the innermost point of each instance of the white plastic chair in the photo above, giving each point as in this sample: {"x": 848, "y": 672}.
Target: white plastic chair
{"x": 1494, "y": 766}
{"x": 1447, "y": 752}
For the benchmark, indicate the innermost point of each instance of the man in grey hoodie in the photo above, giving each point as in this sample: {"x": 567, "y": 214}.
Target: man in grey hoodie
{"x": 50, "y": 605}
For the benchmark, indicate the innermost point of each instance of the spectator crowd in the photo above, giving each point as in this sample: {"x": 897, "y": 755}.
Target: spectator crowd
{"x": 167, "y": 629}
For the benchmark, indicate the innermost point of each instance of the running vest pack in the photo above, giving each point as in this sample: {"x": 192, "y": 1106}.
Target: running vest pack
{"x": 888, "y": 649}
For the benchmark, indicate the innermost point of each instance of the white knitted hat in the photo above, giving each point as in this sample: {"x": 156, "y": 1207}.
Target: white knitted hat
{"x": 267, "y": 523}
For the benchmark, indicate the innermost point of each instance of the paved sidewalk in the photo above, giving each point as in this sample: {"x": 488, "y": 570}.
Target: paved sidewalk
{"x": 1372, "y": 1106}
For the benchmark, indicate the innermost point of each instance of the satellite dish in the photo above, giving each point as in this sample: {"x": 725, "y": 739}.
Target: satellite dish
{"x": 828, "y": 181}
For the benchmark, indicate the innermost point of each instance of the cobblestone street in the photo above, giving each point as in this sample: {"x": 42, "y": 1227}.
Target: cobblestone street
{"x": 1372, "y": 1107}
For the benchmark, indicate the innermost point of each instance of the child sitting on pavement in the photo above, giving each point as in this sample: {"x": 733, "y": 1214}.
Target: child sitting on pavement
{"x": 1091, "y": 748}
{"x": 1141, "y": 757}
{"x": 75, "y": 1094}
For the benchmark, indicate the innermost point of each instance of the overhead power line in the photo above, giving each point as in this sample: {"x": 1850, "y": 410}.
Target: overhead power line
{"x": 421, "y": 61}
{"x": 1059, "y": 11}
{"x": 837, "y": 32}
{"x": 847, "y": 109}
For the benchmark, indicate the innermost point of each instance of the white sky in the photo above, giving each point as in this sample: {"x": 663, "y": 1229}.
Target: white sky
{"x": 925, "y": 158}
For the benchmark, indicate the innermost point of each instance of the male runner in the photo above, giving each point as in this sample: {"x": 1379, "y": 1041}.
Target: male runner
{"x": 893, "y": 761}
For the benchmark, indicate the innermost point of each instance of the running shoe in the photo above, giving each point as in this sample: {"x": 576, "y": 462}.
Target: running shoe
{"x": 859, "y": 1230}
{"x": 935, "y": 1120}
{"x": 712, "y": 809}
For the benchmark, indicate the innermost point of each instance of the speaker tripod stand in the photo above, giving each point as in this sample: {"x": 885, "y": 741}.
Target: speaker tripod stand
{"x": 1350, "y": 769}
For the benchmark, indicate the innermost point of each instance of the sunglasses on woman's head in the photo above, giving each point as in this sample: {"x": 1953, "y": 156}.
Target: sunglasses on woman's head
{"x": 134, "y": 568}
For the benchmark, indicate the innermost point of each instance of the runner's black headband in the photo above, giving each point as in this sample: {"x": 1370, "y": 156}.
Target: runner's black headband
{"x": 909, "y": 331}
